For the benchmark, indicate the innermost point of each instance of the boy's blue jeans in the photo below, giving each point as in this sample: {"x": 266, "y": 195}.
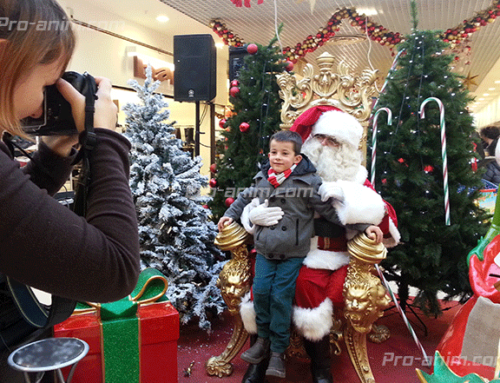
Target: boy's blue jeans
{"x": 273, "y": 292}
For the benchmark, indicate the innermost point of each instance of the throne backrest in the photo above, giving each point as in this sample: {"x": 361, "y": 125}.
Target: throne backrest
{"x": 351, "y": 93}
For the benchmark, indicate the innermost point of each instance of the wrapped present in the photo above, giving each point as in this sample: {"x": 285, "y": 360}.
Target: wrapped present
{"x": 133, "y": 340}
{"x": 487, "y": 199}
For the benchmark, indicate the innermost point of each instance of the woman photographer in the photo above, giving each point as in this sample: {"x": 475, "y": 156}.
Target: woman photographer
{"x": 42, "y": 243}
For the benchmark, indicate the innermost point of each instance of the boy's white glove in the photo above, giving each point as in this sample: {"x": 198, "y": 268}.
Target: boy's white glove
{"x": 245, "y": 221}
{"x": 263, "y": 215}
{"x": 331, "y": 190}
{"x": 260, "y": 214}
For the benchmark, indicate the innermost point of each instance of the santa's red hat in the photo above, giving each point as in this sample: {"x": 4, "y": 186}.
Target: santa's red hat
{"x": 330, "y": 121}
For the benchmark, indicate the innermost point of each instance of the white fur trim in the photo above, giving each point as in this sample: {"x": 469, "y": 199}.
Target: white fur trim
{"x": 314, "y": 323}
{"x": 361, "y": 175}
{"x": 340, "y": 125}
{"x": 361, "y": 204}
{"x": 325, "y": 259}
{"x": 248, "y": 315}
{"x": 395, "y": 235}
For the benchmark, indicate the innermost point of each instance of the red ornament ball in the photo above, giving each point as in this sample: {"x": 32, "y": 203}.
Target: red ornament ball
{"x": 234, "y": 91}
{"x": 205, "y": 206}
{"x": 289, "y": 66}
{"x": 235, "y": 83}
{"x": 222, "y": 123}
{"x": 253, "y": 252}
{"x": 244, "y": 126}
{"x": 212, "y": 183}
{"x": 213, "y": 168}
{"x": 228, "y": 201}
{"x": 252, "y": 49}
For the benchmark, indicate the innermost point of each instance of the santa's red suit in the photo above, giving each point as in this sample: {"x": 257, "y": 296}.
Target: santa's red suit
{"x": 321, "y": 279}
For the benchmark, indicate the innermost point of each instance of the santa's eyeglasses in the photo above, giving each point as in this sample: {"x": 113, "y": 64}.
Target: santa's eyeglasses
{"x": 329, "y": 140}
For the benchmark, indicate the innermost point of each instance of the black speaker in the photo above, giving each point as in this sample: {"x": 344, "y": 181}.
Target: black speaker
{"x": 236, "y": 61}
{"x": 195, "y": 68}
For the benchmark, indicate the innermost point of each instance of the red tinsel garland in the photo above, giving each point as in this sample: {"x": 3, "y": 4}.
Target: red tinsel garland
{"x": 239, "y": 4}
{"x": 375, "y": 31}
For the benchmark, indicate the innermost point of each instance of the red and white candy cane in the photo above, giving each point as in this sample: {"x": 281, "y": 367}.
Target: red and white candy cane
{"x": 374, "y": 139}
{"x": 443, "y": 153}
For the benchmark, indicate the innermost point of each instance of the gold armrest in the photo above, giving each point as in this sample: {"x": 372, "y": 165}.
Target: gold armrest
{"x": 234, "y": 279}
{"x": 234, "y": 282}
{"x": 365, "y": 300}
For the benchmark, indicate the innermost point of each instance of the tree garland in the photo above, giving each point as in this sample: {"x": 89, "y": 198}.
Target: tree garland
{"x": 375, "y": 31}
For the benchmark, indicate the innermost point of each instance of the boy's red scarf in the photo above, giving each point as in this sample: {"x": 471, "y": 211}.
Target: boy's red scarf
{"x": 276, "y": 179}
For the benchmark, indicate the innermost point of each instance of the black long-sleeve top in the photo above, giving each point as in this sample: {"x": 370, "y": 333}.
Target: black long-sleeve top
{"x": 45, "y": 245}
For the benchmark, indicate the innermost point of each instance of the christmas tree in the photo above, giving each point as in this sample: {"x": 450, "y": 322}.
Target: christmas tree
{"x": 176, "y": 234}
{"x": 256, "y": 108}
{"x": 409, "y": 172}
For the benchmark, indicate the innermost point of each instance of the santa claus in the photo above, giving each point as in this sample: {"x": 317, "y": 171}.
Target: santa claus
{"x": 332, "y": 142}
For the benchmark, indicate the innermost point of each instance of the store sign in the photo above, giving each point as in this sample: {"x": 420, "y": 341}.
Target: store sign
{"x": 160, "y": 74}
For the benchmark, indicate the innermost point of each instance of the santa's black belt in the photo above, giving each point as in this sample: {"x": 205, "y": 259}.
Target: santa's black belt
{"x": 324, "y": 228}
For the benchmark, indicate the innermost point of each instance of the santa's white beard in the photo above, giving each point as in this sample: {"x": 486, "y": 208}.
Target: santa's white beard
{"x": 333, "y": 163}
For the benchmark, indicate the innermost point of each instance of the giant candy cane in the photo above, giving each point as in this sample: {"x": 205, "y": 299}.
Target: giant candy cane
{"x": 443, "y": 153}
{"x": 374, "y": 139}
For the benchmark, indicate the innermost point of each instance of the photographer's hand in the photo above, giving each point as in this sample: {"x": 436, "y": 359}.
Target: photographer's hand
{"x": 104, "y": 116}
{"x": 62, "y": 145}
{"x": 105, "y": 109}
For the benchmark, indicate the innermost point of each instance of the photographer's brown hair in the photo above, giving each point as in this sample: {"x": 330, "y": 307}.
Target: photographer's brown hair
{"x": 32, "y": 32}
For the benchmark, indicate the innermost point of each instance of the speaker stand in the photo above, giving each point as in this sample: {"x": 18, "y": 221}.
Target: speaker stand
{"x": 197, "y": 131}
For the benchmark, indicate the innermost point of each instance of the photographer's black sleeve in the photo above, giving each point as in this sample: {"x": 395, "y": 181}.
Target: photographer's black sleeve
{"x": 45, "y": 245}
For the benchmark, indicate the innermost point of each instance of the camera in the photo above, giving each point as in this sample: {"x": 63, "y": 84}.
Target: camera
{"x": 57, "y": 119}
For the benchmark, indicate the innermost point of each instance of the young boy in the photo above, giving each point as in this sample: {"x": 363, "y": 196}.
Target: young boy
{"x": 288, "y": 181}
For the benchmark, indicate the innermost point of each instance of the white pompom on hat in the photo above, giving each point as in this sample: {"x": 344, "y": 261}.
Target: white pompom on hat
{"x": 330, "y": 121}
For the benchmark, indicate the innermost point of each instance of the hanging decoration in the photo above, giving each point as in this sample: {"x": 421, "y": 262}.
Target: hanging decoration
{"x": 252, "y": 49}
{"x": 443, "y": 153}
{"x": 375, "y": 31}
{"x": 470, "y": 81}
{"x": 239, "y": 3}
{"x": 244, "y": 126}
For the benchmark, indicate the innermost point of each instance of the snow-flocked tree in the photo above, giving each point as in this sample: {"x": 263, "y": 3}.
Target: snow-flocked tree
{"x": 176, "y": 233}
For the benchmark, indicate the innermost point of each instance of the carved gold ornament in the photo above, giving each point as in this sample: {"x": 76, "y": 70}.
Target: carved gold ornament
{"x": 340, "y": 89}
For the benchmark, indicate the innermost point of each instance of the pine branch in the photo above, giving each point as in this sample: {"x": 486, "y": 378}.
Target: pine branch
{"x": 275, "y": 38}
{"x": 414, "y": 14}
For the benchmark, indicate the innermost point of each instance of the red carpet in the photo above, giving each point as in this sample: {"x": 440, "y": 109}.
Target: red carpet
{"x": 393, "y": 361}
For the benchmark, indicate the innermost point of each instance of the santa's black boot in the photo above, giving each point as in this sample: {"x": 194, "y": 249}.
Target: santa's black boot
{"x": 256, "y": 373}
{"x": 321, "y": 361}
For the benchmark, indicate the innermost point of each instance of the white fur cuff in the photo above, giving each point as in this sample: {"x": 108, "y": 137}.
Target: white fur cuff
{"x": 314, "y": 323}
{"x": 248, "y": 315}
{"x": 361, "y": 205}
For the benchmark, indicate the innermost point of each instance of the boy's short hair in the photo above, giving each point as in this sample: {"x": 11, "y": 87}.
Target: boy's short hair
{"x": 288, "y": 136}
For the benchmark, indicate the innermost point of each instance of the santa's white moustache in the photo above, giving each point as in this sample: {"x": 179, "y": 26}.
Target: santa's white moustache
{"x": 333, "y": 163}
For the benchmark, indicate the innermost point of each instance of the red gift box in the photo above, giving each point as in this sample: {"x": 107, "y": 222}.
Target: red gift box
{"x": 159, "y": 332}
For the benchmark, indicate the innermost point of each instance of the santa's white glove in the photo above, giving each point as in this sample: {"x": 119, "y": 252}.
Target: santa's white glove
{"x": 263, "y": 215}
{"x": 329, "y": 190}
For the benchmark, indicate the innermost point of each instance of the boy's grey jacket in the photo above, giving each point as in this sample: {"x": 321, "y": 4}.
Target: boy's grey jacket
{"x": 298, "y": 197}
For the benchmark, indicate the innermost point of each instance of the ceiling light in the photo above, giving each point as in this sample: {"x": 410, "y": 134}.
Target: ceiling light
{"x": 481, "y": 99}
{"x": 491, "y": 88}
{"x": 219, "y": 45}
{"x": 486, "y": 94}
{"x": 162, "y": 18}
{"x": 497, "y": 82}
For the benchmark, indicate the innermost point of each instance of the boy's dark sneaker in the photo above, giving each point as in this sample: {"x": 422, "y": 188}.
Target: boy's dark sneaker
{"x": 258, "y": 352}
{"x": 276, "y": 365}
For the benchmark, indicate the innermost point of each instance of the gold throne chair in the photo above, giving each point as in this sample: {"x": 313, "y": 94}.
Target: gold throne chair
{"x": 365, "y": 297}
